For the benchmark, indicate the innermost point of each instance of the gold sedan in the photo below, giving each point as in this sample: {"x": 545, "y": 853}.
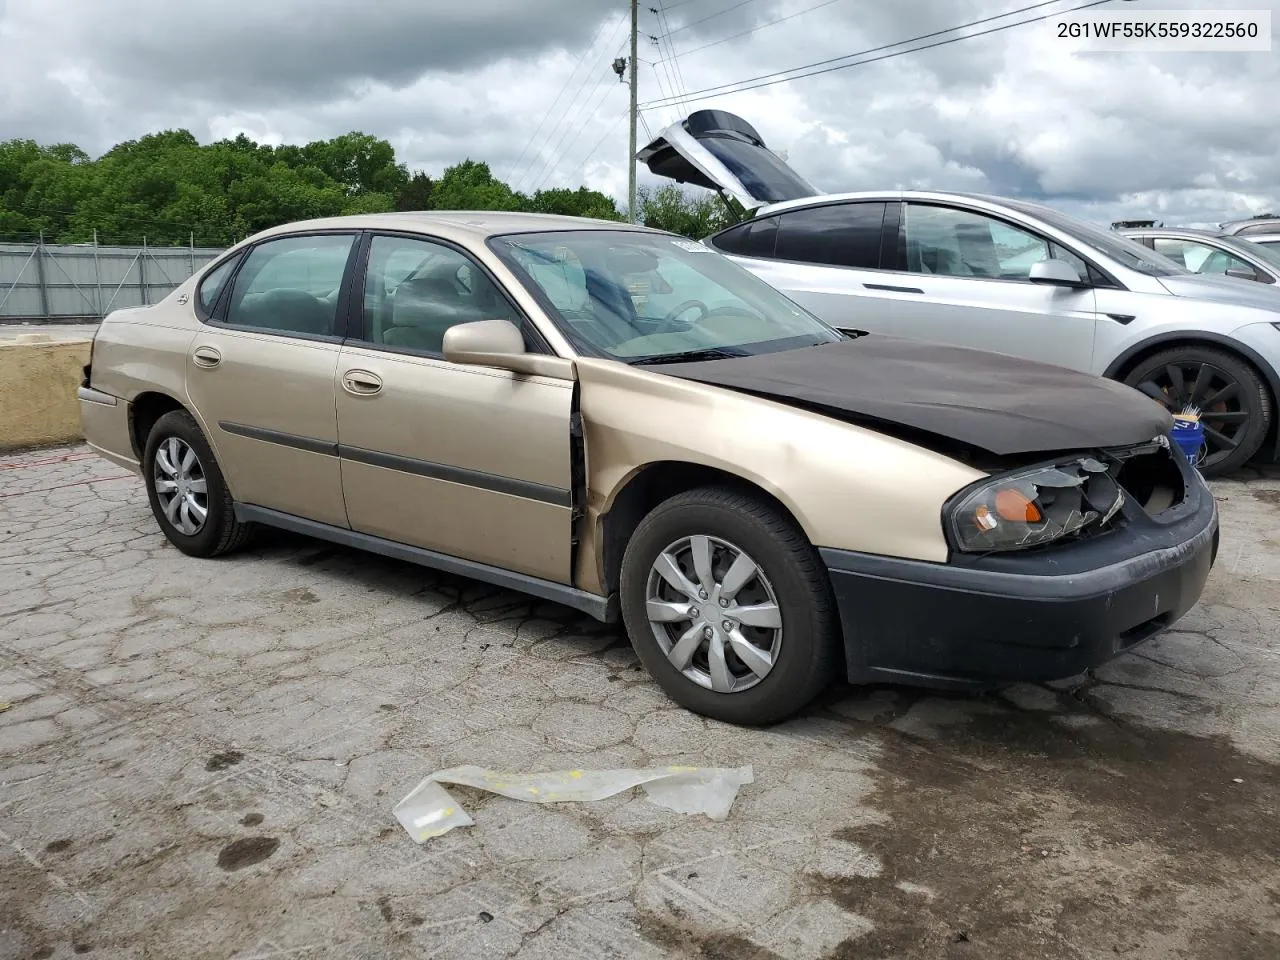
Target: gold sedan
{"x": 628, "y": 423}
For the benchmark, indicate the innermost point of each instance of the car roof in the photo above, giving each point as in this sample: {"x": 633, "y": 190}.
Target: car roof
{"x": 458, "y": 224}
{"x": 1181, "y": 231}
{"x": 943, "y": 195}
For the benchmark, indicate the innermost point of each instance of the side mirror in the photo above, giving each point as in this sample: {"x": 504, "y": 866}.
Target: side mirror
{"x": 1243, "y": 273}
{"x": 499, "y": 343}
{"x": 1055, "y": 272}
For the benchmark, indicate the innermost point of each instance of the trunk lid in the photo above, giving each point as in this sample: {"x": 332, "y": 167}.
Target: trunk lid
{"x": 721, "y": 151}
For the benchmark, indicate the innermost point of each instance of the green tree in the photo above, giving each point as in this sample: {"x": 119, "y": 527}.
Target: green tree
{"x": 169, "y": 188}
{"x": 417, "y": 194}
{"x": 582, "y": 202}
{"x": 670, "y": 208}
{"x": 470, "y": 185}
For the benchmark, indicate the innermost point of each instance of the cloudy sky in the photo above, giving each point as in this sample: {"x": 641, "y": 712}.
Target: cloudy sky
{"x": 527, "y": 86}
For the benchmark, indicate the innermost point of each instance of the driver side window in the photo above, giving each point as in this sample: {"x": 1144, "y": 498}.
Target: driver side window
{"x": 960, "y": 243}
{"x": 415, "y": 290}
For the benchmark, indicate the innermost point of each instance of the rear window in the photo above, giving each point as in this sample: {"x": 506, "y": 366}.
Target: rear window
{"x": 765, "y": 176}
{"x": 755, "y": 238}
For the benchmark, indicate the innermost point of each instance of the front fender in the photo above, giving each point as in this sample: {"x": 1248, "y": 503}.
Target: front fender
{"x": 848, "y": 487}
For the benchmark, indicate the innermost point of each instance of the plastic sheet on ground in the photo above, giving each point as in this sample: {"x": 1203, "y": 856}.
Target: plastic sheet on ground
{"x": 430, "y": 811}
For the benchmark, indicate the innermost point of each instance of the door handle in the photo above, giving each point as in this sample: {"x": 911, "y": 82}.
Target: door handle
{"x": 206, "y": 357}
{"x": 361, "y": 383}
{"x": 892, "y": 288}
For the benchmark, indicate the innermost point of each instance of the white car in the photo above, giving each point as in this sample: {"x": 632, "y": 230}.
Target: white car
{"x": 1212, "y": 252}
{"x": 1003, "y": 275}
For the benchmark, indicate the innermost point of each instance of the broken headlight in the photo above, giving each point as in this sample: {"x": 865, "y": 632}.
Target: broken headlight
{"x": 1028, "y": 508}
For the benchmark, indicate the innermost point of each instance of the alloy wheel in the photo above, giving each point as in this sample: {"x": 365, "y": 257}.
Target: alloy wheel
{"x": 714, "y": 613}
{"x": 1212, "y": 391}
{"x": 180, "y": 486}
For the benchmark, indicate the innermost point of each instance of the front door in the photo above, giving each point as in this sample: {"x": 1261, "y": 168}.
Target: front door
{"x": 966, "y": 283}
{"x": 261, "y": 374}
{"x": 473, "y": 462}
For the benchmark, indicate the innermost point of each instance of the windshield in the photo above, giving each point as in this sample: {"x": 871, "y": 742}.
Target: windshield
{"x": 1118, "y": 247}
{"x": 647, "y": 297}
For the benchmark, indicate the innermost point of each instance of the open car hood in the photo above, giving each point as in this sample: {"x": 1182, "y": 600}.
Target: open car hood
{"x": 721, "y": 151}
{"x": 999, "y": 404}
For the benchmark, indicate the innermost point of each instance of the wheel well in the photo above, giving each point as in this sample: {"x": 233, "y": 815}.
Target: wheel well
{"x": 655, "y": 483}
{"x": 1268, "y": 380}
{"x": 146, "y": 409}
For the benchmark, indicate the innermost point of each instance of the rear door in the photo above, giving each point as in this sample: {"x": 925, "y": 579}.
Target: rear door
{"x": 962, "y": 278}
{"x": 826, "y": 257}
{"x": 473, "y": 462}
{"x": 261, "y": 369}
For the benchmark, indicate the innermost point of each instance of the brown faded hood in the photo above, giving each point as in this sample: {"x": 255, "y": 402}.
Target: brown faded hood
{"x": 989, "y": 401}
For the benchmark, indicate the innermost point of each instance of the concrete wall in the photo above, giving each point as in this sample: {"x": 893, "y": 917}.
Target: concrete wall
{"x": 38, "y": 380}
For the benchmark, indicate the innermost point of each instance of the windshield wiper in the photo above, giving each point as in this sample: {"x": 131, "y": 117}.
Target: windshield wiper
{"x": 690, "y": 356}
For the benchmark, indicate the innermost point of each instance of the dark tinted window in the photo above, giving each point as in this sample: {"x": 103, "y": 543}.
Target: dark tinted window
{"x": 292, "y": 284}
{"x": 842, "y": 235}
{"x": 213, "y": 282}
{"x": 761, "y": 172}
{"x": 753, "y": 239}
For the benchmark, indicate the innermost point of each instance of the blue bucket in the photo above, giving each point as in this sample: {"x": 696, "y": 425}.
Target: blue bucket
{"x": 1188, "y": 434}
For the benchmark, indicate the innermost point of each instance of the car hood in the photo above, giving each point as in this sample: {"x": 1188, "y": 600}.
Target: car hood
{"x": 988, "y": 401}
{"x": 1226, "y": 290}
{"x": 721, "y": 151}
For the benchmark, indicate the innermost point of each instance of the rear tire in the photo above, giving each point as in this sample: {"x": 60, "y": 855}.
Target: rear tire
{"x": 1233, "y": 400}
{"x": 188, "y": 493}
{"x": 784, "y": 666}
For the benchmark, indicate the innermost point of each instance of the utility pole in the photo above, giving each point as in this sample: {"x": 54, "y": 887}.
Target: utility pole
{"x": 631, "y": 154}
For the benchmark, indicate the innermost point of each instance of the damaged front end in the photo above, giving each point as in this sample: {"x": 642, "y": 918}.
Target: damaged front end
{"x": 1070, "y": 497}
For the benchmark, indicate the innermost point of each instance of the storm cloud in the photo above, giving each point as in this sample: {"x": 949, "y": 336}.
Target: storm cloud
{"x": 528, "y": 88}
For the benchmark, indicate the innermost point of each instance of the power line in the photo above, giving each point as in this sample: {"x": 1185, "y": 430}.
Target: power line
{"x": 754, "y": 83}
{"x": 582, "y": 168}
{"x": 546, "y": 116}
{"x": 575, "y": 127}
{"x": 689, "y": 26}
{"x": 665, "y": 24}
{"x": 569, "y": 105}
{"x": 791, "y": 16}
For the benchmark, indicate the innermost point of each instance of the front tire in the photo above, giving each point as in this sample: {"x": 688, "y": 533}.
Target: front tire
{"x": 729, "y": 607}
{"x": 188, "y": 493}
{"x": 1234, "y": 404}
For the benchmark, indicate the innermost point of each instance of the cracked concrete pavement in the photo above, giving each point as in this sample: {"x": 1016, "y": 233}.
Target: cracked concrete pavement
{"x": 199, "y": 759}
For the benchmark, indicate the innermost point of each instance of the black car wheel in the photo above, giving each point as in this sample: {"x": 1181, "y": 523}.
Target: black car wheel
{"x": 188, "y": 494}
{"x": 1234, "y": 405}
{"x": 729, "y": 607}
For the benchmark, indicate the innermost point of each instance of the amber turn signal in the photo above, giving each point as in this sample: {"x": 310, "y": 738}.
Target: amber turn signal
{"x": 1014, "y": 505}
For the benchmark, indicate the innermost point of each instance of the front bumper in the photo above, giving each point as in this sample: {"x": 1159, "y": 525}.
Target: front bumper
{"x": 1043, "y": 615}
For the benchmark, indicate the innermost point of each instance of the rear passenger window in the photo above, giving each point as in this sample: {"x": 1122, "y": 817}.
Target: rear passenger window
{"x": 841, "y": 235}
{"x": 291, "y": 285}
{"x": 213, "y": 283}
{"x": 753, "y": 239}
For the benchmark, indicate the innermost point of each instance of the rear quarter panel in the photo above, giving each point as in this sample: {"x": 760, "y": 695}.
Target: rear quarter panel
{"x": 137, "y": 351}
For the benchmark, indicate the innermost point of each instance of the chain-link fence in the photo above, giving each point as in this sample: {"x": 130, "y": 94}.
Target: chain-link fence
{"x": 47, "y": 283}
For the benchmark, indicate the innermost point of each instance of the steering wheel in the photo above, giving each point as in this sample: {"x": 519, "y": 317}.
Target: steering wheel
{"x": 670, "y": 318}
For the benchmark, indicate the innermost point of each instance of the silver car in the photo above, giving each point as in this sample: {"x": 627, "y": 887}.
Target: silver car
{"x": 1212, "y": 252}
{"x": 1003, "y": 275}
